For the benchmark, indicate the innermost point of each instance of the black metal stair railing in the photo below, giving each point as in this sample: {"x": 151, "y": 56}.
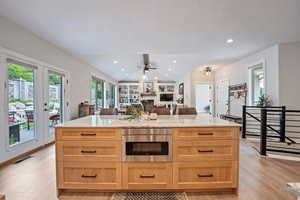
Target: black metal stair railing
{"x": 277, "y": 128}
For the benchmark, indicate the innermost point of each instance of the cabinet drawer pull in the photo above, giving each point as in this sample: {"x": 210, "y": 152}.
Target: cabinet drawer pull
{"x": 141, "y": 176}
{"x": 83, "y": 151}
{"x": 88, "y": 134}
{"x": 85, "y": 176}
{"x": 201, "y": 134}
{"x": 205, "y": 175}
{"x": 206, "y": 151}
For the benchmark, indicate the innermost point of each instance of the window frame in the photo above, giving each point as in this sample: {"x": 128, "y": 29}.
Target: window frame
{"x": 251, "y": 68}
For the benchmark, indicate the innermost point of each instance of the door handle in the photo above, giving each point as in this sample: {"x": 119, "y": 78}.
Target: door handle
{"x": 200, "y": 134}
{"x": 88, "y": 134}
{"x": 83, "y": 151}
{"x": 205, "y": 175}
{"x": 141, "y": 176}
{"x": 85, "y": 176}
{"x": 206, "y": 151}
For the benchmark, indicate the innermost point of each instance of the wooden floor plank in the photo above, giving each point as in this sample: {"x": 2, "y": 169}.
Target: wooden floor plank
{"x": 260, "y": 179}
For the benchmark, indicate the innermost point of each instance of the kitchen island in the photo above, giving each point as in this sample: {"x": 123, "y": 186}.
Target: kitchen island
{"x": 172, "y": 153}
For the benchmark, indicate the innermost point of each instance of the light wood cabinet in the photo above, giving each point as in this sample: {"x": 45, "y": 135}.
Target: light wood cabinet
{"x": 89, "y": 175}
{"x": 205, "y": 134}
{"x": 205, "y": 150}
{"x": 204, "y": 159}
{"x": 82, "y": 151}
{"x": 203, "y": 175}
{"x": 147, "y": 175}
{"x": 88, "y": 134}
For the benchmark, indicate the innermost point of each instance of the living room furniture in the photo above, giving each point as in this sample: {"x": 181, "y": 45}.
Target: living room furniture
{"x": 187, "y": 111}
{"x": 86, "y": 109}
{"x": 108, "y": 111}
{"x": 133, "y": 108}
{"x": 161, "y": 110}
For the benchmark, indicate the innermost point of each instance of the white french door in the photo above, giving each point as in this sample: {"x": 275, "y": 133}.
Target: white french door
{"x": 55, "y": 103}
{"x": 35, "y": 100}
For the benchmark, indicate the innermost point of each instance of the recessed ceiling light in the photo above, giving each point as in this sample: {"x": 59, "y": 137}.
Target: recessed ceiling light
{"x": 174, "y": 61}
{"x": 115, "y": 62}
{"x": 126, "y": 74}
{"x": 144, "y": 77}
{"x": 155, "y": 77}
{"x": 169, "y": 69}
{"x": 122, "y": 69}
{"x": 229, "y": 41}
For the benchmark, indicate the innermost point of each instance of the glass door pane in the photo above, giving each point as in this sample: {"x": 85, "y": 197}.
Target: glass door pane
{"x": 97, "y": 93}
{"x": 21, "y": 103}
{"x": 110, "y": 95}
{"x": 100, "y": 94}
{"x": 55, "y": 100}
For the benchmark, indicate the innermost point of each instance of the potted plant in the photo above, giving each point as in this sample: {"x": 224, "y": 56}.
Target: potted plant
{"x": 264, "y": 101}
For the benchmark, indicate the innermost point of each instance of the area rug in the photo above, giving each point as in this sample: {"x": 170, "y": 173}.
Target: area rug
{"x": 149, "y": 196}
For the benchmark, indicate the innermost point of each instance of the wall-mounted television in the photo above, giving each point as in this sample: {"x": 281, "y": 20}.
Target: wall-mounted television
{"x": 166, "y": 97}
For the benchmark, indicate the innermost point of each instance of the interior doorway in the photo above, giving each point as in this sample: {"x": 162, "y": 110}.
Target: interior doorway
{"x": 204, "y": 98}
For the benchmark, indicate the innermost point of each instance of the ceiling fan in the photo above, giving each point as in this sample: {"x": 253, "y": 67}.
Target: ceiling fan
{"x": 147, "y": 65}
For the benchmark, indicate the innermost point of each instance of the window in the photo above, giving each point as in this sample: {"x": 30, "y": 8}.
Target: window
{"x": 97, "y": 93}
{"x": 257, "y": 80}
{"x": 110, "y": 95}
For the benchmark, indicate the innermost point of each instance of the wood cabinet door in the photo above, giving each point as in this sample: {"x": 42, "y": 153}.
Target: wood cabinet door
{"x": 205, "y": 175}
{"x": 205, "y": 150}
{"x": 83, "y": 134}
{"x": 89, "y": 175}
{"x": 83, "y": 151}
{"x": 227, "y": 133}
{"x": 147, "y": 176}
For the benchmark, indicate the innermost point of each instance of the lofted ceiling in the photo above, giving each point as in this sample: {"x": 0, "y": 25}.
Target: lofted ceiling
{"x": 192, "y": 32}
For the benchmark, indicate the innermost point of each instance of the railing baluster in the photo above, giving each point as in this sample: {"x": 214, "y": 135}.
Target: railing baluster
{"x": 282, "y": 124}
{"x": 263, "y": 132}
{"x": 244, "y": 128}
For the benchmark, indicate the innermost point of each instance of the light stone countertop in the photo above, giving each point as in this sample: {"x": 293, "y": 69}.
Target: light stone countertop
{"x": 175, "y": 121}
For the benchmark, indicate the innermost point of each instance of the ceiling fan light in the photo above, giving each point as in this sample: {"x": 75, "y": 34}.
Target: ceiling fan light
{"x": 207, "y": 71}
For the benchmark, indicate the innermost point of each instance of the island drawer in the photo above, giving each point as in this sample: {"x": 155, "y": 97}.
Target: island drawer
{"x": 88, "y": 151}
{"x": 147, "y": 175}
{"x": 205, "y": 150}
{"x": 203, "y": 175}
{"x": 206, "y": 133}
{"x": 88, "y": 134}
{"x": 89, "y": 175}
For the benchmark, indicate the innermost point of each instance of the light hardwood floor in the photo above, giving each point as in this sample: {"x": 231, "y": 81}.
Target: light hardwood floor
{"x": 260, "y": 179}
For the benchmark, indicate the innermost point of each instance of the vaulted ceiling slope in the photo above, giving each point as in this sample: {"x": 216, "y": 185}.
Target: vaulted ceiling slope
{"x": 194, "y": 32}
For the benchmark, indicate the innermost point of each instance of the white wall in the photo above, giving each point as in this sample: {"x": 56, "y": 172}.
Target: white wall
{"x": 237, "y": 73}
{"x": 199, "y": 78}
{"x": 289, "y": 79}
{"x": 16, "y": 39}
{"x": 190, "y": 80}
